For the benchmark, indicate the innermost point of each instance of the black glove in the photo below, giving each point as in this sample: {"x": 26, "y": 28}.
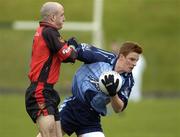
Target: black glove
{"x": 110, "y": 85}
{"x": 72, "y": 42}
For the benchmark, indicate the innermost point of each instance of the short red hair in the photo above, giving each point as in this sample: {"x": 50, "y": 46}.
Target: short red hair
{"x": 128, "y": 47}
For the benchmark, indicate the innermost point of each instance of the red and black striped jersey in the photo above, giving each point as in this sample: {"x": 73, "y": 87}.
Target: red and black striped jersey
{"x": 48, "y": 51}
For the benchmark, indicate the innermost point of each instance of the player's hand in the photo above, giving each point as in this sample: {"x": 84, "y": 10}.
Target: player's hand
{"x": 72, "y": 42}
{"x": 110, "y": 85}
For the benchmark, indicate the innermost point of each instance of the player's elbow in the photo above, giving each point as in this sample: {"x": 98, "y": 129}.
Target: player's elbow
{"x": 118, "y": 110}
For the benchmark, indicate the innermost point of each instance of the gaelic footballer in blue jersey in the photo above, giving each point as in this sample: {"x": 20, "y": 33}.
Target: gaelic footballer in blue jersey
{"x": 81, "y": 113}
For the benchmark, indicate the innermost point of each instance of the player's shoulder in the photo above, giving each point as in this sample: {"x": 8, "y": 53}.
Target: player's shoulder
{"x": 103, "y": 63}
{"x": 127, "y": 75}
{"x": 103, "y": 66}
{"x": 50, "y": 31}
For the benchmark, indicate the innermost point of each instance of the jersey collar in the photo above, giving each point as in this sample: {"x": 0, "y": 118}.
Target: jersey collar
{"x": 43, "y": 23}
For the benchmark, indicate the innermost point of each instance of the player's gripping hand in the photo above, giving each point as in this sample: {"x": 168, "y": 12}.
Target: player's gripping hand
{"x": 110, "y": 84}
{"x": 72, "y": 42}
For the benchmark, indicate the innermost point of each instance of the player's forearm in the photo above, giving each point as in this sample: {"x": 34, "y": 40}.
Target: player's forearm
{"x": 117, "y": 104}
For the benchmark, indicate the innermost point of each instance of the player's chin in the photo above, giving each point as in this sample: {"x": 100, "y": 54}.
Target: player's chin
{"x": 130, "y": 70}
{"x": 60, "y": 26}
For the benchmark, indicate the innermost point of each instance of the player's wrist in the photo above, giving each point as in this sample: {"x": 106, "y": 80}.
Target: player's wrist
{"x": 73, "y": 42}
{"x": 112, "y": 93}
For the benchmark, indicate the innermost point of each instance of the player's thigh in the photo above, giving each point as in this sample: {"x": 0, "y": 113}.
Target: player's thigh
{"x": 46, "y": 123}
{"x": 92, "y": 134}
{"x": 59, "y": 132}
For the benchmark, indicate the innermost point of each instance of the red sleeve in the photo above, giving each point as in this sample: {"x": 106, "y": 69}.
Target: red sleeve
{"x": 67, "y": 54}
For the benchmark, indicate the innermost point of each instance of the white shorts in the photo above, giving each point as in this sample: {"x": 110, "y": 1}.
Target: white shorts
{"x": 92, "y": 134}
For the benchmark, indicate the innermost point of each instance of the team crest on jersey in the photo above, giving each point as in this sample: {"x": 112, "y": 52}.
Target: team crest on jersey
{"x": 85, "y": 46}
{"x": 66, "y": 50}
{"x": 94, "y": 81}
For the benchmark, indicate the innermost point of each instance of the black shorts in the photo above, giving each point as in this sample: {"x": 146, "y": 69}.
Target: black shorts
{"x": 79, "y": 118}
{"x": 41, "y": 98}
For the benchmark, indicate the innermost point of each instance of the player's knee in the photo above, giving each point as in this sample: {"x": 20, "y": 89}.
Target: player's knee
{"x": 48, "y": 130}
{"x": 47, "y": 126}
{"x": 51, "y": 129}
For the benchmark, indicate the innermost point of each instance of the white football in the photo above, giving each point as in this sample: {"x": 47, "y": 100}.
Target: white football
{"x": 116, "y": 76}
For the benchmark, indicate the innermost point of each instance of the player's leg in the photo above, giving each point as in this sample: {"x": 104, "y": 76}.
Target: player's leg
{"x": 92, "y": 134}
{"x": 47, "y": 126}
{"x": 58, "y": 130}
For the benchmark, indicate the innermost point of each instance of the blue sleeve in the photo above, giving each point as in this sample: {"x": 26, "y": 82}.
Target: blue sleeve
{"x": 90, "y": 54}
{"x": 98, "y": 101}
{"x": 126, "y": 90}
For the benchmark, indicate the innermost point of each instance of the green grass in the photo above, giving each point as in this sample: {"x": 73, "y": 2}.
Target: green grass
{"x": 155, "y": 24}
{"x": 29, "y": 10}
{"x": 148, "y": 118}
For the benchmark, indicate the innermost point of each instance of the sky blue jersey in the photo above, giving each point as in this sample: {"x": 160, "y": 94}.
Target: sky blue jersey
{"x": 85, "y": 85}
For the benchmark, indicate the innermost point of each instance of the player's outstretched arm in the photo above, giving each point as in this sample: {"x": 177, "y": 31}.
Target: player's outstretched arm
{"x": 90, "y": 54}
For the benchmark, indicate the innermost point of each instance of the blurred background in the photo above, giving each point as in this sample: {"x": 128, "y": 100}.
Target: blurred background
{"x": 154, "y": 24}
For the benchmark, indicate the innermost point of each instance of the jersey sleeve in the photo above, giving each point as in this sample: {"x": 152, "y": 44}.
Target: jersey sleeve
{"x": 90, "y": 54}
{"x": 125, "y": 90}
{"x": 58, "y": 46}
{"x": 67, "y": 54}
{"x": 98, "y": 101}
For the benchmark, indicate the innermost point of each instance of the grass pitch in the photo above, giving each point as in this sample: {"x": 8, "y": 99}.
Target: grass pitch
{"x": 148, "y": 118}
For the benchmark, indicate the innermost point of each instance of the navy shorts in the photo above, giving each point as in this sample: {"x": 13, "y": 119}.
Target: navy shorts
{"x": 41, "y": 98}
{"x": 78, "y": 117}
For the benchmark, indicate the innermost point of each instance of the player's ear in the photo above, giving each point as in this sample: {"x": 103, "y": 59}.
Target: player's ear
{"x": 120, "y": 56}
{"x": 53, "y": 18}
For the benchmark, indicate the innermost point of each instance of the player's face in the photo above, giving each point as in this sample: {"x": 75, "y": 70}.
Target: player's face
{"x": 60, "y": 18}
{"x": 127, "y": 63}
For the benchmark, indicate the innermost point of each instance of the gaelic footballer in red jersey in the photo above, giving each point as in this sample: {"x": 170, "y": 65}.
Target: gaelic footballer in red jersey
{"x": 49, "y": 50}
